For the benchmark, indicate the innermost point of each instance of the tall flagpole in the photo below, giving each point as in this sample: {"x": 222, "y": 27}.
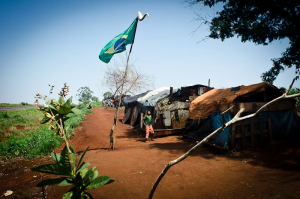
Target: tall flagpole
{"x": 114, "y": 127}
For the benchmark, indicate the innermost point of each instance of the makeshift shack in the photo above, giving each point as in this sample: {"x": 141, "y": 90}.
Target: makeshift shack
{"x": 129, "y": 103}
{"x": 276, "y": 122}
{"x": 171, "y": 113}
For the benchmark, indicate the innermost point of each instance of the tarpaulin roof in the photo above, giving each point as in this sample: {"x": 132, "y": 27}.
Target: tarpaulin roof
{"x": 204, "y": 105}
{"x": 151, "y": 98}
{"x": 128, "y": 99}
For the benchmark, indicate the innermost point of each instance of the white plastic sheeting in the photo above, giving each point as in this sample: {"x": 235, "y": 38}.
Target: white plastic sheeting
{"x": 154, "y": 96}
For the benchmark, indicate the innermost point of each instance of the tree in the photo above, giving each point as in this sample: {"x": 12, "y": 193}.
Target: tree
{"x": 108, "y": 95}
{"x": 122, "y": 80}
{"x": 261, "y": 22}
{"x": 84, "y": 94}
{"x": 95, "y": 99}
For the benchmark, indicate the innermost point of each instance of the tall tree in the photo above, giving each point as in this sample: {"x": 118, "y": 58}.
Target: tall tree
{"x": 108, "y": 95}
{"x": 260, "y": 22}
{"x": 84, "y": 94}
{"x": 122, "y": 80}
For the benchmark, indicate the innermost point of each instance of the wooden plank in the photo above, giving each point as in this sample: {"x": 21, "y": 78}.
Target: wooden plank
{"x": 134, "y": 116}
{"x": 252, "y": 107}
{"x": 243, "y": 137}
{"x": 252, "y": 134}
{"x": 142, "y": 119}
{"x": 233, "y": 136}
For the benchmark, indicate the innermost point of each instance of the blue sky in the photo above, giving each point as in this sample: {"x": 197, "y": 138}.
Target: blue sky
{"x": 59, "y": 41}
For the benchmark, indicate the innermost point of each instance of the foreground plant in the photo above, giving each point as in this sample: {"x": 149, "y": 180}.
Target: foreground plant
{"x": 76, "y": 174}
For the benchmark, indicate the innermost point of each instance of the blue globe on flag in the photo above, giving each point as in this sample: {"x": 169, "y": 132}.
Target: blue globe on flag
{"x": 120, "y": 44}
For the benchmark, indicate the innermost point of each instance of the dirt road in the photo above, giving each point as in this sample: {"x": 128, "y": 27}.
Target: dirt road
{"x": 16, "y": 108}
{"x": 270, "y": 172}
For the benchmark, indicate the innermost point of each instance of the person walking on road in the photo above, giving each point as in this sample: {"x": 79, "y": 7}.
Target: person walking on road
{"x": 149, "y": 128}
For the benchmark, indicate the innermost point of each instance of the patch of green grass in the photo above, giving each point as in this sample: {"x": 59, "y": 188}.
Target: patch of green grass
{"x": 34, "y": 140}
{"x": 25, "y": 118}
{"x": 37, "y": 143}
{"x": 96, "y": 104}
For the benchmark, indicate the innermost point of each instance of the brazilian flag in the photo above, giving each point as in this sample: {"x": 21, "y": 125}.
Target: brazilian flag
{"x": 118, "y": 44}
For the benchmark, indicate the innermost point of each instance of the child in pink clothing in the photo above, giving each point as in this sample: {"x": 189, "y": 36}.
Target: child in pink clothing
{"x": 149, "y": 128}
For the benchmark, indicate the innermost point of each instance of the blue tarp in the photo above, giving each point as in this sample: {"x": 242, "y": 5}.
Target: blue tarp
{"x": 284, "y": 126}
{"x": 222, "y": 139}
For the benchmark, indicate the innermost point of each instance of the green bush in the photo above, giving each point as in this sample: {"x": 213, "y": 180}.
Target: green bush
{"x": 295, "y": 91}
{"x": 37, "y": 143}
{"x": 34, "y": 141}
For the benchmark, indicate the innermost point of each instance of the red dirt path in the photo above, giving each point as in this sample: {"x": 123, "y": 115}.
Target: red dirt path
{"x": 270, "y": 172}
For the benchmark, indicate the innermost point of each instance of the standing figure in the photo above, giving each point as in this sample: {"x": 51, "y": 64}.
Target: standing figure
{"x": 103, "y": 104}
{"x": 149, "y": 128}
{"x": 36, "y": 102}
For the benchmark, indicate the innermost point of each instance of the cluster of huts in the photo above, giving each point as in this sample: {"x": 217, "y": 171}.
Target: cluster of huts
{"x": 195, "y": 111}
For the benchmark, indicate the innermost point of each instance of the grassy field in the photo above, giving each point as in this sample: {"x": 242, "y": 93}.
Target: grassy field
{"x": 22, "y": 135}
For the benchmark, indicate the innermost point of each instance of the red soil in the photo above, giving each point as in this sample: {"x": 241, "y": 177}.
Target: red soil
{"x": 269, "y": 172}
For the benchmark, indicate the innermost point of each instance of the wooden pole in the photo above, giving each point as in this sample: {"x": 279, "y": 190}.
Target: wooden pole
{"x": 114, "y": 126}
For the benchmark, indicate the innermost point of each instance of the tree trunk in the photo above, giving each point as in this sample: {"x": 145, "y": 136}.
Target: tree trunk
{"x": 112, "y": 134}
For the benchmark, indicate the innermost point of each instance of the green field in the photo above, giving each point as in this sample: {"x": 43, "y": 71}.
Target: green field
{"x": 22, "y": 135}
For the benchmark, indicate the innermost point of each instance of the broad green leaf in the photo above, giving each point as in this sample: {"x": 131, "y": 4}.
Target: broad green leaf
{"x": 81, "y": 157}
{"x": 54, "y": 102}
{"x": 66, "y": 182}
{"x": 86, "y": 194}
{"x": 68, "y": 195}
{"x": 64, "y": 110}
{"x": 68, "y": 102}
{"x": 53, "y": 169}
{"x": 45, "y": 120}
{"x": 73, "y": 156}
{"x": 76, "y": 111}
{"x": 61, "y": 101}
{"x": 100, "y": 181}
{"x": 89, "y": 177}
{"x": 55, "y": 157}
{"x": 51, "y": 181}
{"x": 65, "y": 158}
{"x": 82, "y": 167}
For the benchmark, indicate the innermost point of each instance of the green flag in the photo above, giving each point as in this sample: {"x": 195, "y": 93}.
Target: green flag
{"x": 118, "y": 44}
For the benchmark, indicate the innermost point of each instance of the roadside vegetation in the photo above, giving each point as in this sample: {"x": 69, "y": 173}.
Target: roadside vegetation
{"x": 22, "y": 135}
{"x": 13, "y": 105}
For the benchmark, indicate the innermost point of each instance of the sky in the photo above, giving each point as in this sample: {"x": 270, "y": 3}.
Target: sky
{"x": 53, "y": 42}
